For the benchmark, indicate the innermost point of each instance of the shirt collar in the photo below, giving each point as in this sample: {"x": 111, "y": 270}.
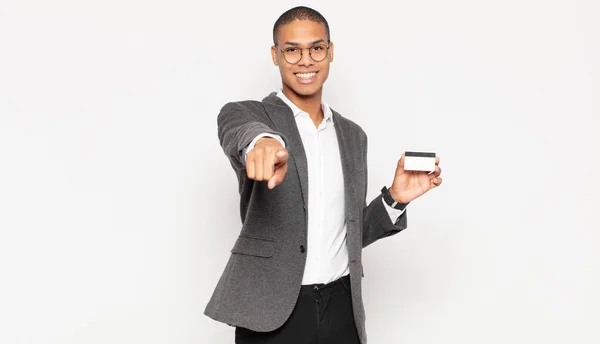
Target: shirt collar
{"x": 327, "y": 113}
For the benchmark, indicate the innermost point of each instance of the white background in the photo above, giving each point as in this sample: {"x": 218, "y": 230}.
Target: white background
{"x": 118, "y": 208}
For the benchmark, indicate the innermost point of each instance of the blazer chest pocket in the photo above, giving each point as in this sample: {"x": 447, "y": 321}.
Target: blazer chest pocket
{"x": 254, "y": 246}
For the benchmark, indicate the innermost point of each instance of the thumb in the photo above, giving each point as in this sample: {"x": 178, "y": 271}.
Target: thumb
{"x": 400, "y": 167}
{"x": 278, "y": 175}
{"x": 281, "y": 156}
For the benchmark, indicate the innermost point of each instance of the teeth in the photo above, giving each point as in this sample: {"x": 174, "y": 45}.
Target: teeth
{"x": 305, "y": 75}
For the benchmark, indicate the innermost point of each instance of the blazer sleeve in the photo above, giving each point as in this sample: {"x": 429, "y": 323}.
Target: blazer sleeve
{"x": 376, "y": 220}
{"x": 238, "y": 124}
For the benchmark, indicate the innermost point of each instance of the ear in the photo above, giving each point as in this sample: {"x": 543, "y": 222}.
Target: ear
{"x": 274, "y": 55}
{"x": 331, "y": 51}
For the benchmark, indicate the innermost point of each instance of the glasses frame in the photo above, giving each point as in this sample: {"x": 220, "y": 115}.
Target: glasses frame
{"x": 302, "y": 53}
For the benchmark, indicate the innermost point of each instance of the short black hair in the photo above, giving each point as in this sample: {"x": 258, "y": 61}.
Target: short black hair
{"x": 299, "y": 13}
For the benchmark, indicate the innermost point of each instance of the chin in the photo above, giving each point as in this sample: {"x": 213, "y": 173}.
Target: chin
{"x": 304, "y": 91}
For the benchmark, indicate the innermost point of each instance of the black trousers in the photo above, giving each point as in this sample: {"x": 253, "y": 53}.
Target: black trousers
{"x": 323, "y": 314}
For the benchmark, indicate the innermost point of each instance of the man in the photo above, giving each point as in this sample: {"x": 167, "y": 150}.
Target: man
{"x": 294, "y": 275}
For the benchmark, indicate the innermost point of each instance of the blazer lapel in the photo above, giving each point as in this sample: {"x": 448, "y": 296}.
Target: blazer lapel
{"x": 349, "y": 152}
{"x": 283, "y": 118}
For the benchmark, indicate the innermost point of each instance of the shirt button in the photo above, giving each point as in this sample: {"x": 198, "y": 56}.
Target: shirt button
{"x": 302, "y": 250}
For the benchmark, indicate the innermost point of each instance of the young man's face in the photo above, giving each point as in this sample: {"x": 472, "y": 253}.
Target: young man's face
{"x": 306, "y": 76}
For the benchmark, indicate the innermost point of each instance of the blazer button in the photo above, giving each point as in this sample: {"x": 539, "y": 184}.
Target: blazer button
{"x": 302, "y": 250}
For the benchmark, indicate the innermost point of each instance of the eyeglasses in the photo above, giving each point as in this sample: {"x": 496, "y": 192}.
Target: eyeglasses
{"x": 317, "y": 53}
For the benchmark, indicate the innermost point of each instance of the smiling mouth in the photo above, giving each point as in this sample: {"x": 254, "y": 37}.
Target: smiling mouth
{"x": 305, "y": 76}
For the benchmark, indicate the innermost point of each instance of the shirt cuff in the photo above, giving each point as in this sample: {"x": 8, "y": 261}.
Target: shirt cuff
{"x": 250, "y": 147}
{"x": 393, "y": 212}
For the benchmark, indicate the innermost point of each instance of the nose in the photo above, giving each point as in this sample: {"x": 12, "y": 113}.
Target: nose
{"x": 305, "y": 59}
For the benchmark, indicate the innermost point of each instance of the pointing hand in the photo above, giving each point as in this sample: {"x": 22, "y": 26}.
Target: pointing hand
{"x": 267, "y": 162}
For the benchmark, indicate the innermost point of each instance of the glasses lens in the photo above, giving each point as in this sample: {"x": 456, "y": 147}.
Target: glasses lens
{"x": 318, "y": 52}
{"x": 292, "y": 55}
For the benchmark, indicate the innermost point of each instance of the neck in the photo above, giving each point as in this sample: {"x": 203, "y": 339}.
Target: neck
{"x": 310, "y": 104}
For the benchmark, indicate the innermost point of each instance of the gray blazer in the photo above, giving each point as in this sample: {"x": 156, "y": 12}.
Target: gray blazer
{"x": 261, "y": 281}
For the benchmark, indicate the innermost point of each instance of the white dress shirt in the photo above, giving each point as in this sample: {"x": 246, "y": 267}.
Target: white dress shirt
{"x": 327, "y": 252}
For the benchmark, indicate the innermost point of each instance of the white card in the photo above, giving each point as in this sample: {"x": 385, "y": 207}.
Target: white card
{"x": 419, "y": 161}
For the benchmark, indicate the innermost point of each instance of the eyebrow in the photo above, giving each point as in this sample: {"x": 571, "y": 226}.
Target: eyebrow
{"x": 297, "y": 44}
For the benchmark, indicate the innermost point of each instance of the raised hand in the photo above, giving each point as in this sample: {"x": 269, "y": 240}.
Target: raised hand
{"x": 267, "y": 162}
{"x": 408, "y": 185}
